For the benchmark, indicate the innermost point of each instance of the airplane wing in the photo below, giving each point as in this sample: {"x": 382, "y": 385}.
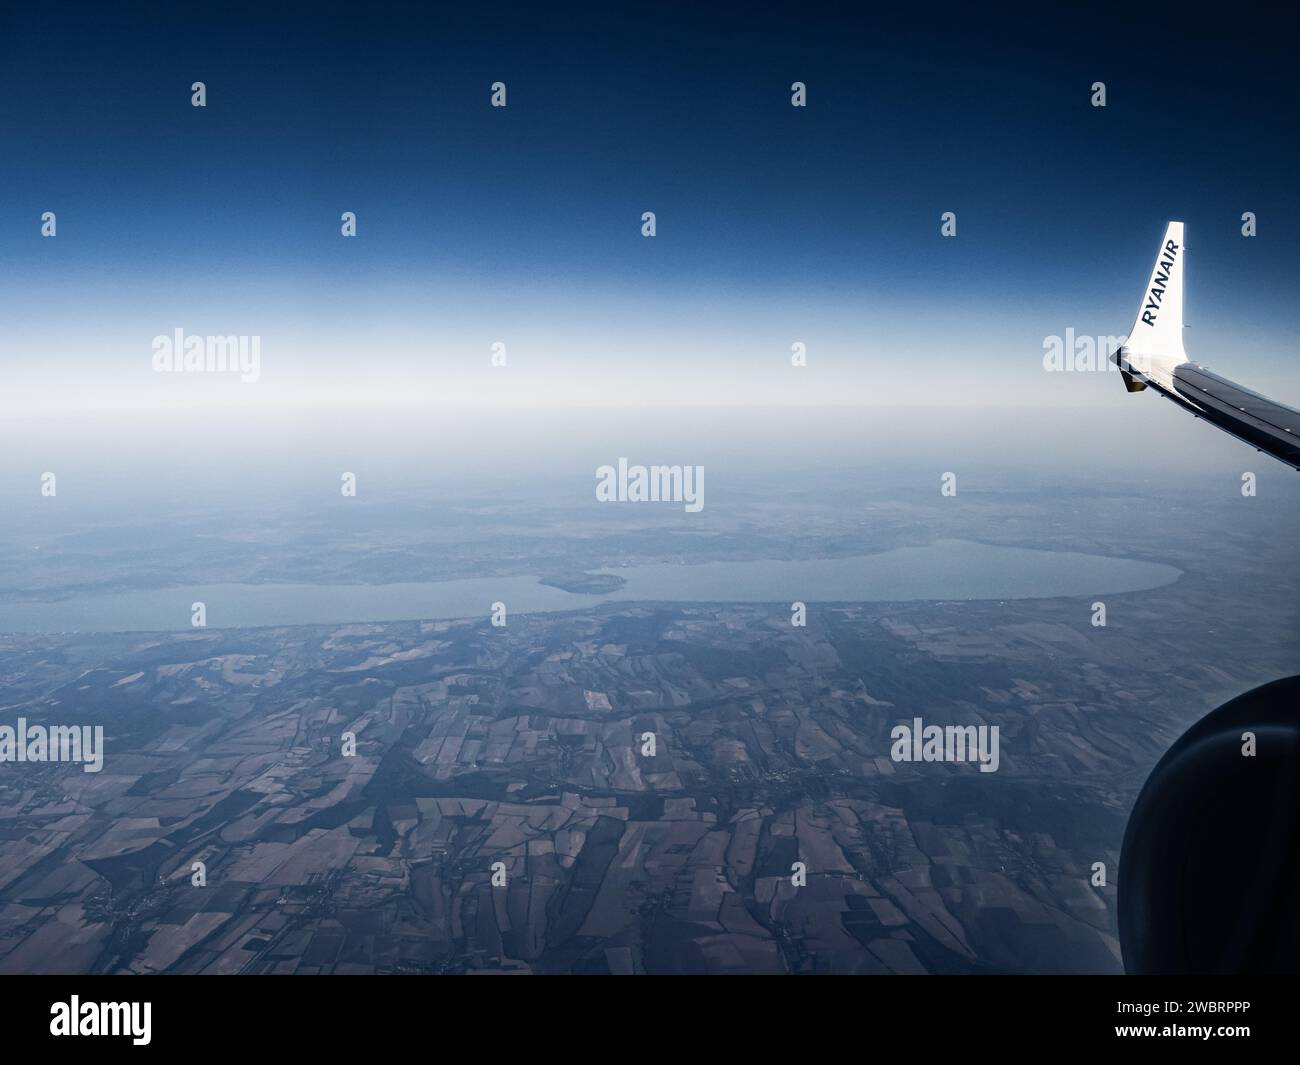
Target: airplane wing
{"x": 1153, "y": 355}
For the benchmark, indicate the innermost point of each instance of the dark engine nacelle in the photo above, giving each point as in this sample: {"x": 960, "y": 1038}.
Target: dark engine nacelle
{"x": 1209, "y": 875}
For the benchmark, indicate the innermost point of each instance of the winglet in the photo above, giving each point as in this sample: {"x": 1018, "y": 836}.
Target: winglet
{"x": 1158, "y": 329}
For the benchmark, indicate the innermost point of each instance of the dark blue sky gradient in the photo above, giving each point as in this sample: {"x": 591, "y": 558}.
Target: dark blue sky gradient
{"x": 383, "y": 109}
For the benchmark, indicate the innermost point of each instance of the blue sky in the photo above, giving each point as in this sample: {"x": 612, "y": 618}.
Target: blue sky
{"x": 522, "y": 224}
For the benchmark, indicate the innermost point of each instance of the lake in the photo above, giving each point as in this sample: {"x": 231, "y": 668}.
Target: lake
{"x": 943, "y": 570}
